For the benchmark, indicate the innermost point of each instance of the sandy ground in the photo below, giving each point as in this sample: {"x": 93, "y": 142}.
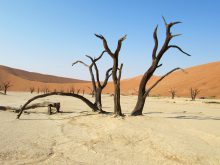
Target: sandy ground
{"x": 171, "y": 132}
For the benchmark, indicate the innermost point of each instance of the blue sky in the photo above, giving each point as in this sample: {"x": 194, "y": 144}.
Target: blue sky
{"x": 48, "y": 35}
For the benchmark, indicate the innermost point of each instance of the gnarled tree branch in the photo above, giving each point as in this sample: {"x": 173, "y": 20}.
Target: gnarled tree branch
{"x": 159, "y": 80}
{"x": 105, "y": 44}
{"x": 85, "y": 100}
{"x": 156, "y": 57}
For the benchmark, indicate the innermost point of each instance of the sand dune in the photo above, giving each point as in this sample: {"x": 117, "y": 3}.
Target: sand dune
{"x": 32, "y": 76}
{"x": 204, "y": 77}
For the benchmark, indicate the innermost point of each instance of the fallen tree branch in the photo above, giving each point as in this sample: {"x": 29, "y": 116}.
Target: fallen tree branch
{"x": 32, "y": 106}
{"x": 85, "y": 100}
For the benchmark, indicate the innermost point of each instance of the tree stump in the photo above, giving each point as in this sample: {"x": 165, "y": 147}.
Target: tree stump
{"x": 55, "y": 105}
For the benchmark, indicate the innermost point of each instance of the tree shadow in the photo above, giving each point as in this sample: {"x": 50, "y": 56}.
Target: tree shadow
{"x": 70, "y": 117}
{"x": 195, "y": 117}
{"x": 147, "y": 113}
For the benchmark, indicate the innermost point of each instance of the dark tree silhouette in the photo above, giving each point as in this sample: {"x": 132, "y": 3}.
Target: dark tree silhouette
{"x": 172, "y": 91}
{"x": 96, "y": 84}
{"x": 1, "y": 88}
{"x": 72, "y": 89}
{"x": 116, "y": 72}
{"x": 5, "y": 85}
{"x": 193, "y": 93}
{"x": 38, "y": 90}
{"x": 31, "y": 89}
{"x": 156, "y": 57}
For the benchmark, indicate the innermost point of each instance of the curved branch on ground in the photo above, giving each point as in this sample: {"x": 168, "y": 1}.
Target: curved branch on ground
{"x": 85, "y": 100}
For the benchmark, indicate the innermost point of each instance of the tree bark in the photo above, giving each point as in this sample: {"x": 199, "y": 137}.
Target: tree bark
{"x": 98, "y": 98}
{"x": 139, "y": 106}
{"x": 117, "y": 105}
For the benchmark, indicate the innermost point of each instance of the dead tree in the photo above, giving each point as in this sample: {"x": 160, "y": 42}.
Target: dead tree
{"x": 91, "y": 91}
{"x": 96, "y": 84}
{"x": 193, "y": 93}
{"x": 5, "y": 86}
{"x": 78, "y": 91}
{"x": 1, "y": 88}
{"x": 85, "y": 100}
{"x": 156, "y": 57}
{"x": 31, "y": 89}
{"x": 172, "y": 91}
{"x": 116, "y": 72}
{"x": 72, "y": 89}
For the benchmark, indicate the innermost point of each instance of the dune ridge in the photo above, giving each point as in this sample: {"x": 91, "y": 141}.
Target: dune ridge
{"x": 205, "y": 77}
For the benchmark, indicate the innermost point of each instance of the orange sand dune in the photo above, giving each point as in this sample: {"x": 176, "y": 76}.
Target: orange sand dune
{"x": 37, "y": 76}
{"x": 204, "y": 77}
{"x": 23, "y": 81}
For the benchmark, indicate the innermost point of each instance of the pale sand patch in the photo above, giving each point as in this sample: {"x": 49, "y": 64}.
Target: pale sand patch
{"x": 183, "y": 132}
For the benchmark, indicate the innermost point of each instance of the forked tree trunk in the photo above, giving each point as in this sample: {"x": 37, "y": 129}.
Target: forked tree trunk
{"x": 156, "y": 57}
{"x": 96, "y": 84}
{"x": 116, "y": 77}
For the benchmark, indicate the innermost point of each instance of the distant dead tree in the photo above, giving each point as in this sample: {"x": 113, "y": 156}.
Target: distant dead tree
{"x": 72, "y": 89}
{"x": 116, "y": 72}
{"x": 38, "y": 90}
{"x": 96, "y": 84}
{"x": 91, "y": 91}
{"x": 46, "y": 90}
{"x": 172, "y": 91}
{"x": 193, "y": 93}
{"x": 1, "y": 88}
{"x": 78, "y": 91}
{"x": 156, "y": 57}
{"x": 31, "y": 89}
{"x": 5, "y": 86}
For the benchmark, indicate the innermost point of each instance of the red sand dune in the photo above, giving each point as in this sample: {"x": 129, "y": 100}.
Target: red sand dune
{"x": 204, "y": 77}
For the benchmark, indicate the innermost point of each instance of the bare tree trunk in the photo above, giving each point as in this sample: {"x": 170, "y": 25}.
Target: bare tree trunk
{"x": 156, "y": 57}
{"x": 117, "y": 105}
{"x": 116, "y": 78}
{"x": 98, "y": 98}
{"x": 139, "y": 106}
